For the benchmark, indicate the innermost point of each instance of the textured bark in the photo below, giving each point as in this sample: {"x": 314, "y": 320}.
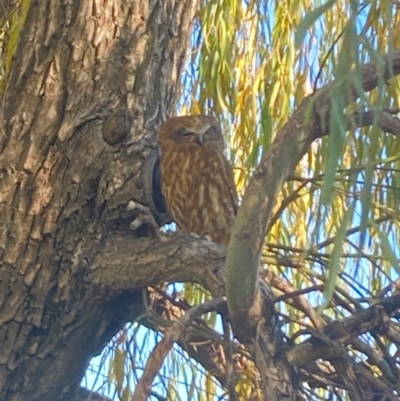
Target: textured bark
{"x": 64, "y": 188}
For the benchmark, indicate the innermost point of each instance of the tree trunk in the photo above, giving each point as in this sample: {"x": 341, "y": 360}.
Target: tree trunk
{"x": 81, "y": 66}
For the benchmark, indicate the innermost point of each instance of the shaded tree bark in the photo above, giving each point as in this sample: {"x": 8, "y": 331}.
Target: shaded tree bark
{"x": 64, "y": 189}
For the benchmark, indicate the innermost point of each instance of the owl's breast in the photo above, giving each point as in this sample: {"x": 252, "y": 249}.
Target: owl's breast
{"x": 198, "y": 186}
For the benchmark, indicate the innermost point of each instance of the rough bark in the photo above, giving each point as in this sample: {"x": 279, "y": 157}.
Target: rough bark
{"x": 64, "y": 188}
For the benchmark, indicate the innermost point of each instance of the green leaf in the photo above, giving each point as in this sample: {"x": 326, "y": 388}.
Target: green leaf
{"x": 334, "y": 262}
{"x": 336, "y": 141}
{"x": 309, "y": 19}
{"x": 387, "y": 248}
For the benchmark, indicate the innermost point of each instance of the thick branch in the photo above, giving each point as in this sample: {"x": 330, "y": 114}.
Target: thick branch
{"x": 174, "y": 258}
{"x": 88, "y": 87}
{"x": 248, "y": 307}
{"x": 83, "y": 394}
{"x": 291, "y": 143}
{"x": 384, "y": 119}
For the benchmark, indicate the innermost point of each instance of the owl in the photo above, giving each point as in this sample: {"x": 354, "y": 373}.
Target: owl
{"x": 196, "y": 178}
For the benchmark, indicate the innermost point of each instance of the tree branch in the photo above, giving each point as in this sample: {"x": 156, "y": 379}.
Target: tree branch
{"x": 248, "y": 306}
{"x": 201, "y": 342}
{"x": 344, "y": 331}
{"x": 178, "y": 257}
{"x": 384, "y": 119}
{"x": 161, "y": 350}
{"x": 84, "y": 394}
{"x": 291, "y": 143}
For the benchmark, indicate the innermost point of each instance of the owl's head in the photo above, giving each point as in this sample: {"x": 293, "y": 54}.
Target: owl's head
{"x": 193, "y": 131}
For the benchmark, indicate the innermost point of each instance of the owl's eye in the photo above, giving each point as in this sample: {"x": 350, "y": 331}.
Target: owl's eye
{"x": 186, "y": 134}
{"x": 213, "y": 133}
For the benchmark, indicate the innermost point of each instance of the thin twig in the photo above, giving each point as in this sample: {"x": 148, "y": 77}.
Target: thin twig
{"x": 161, "y": 350}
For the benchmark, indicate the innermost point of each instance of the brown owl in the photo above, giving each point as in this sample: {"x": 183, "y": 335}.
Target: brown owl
{"x": 197, "y": 179}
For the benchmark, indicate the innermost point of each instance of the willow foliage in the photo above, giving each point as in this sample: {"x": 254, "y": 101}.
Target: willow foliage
{"x": 12, "y": 18}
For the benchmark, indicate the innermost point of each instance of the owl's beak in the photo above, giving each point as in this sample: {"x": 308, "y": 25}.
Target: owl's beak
{"x": 200, "y": 139}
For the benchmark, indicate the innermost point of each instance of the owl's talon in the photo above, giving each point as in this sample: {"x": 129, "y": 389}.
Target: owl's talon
{"x": 132, "y": 205}
{"x": 138, "y": 222}
{"x": 145, "y": 217}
